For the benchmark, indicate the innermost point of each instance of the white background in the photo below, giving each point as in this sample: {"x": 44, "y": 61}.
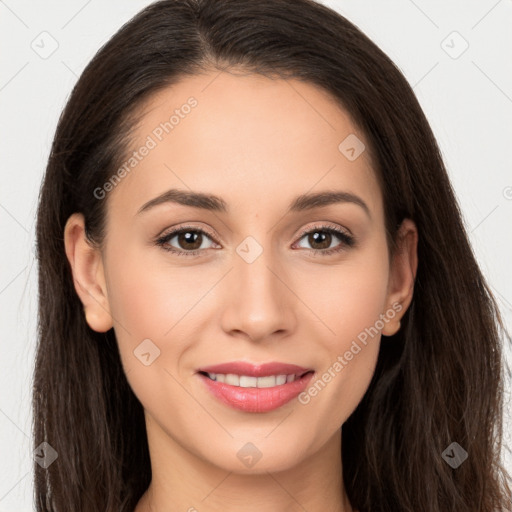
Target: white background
{"x": 468, "y": 101}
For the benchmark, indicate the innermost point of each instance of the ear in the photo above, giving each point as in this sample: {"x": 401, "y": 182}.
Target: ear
{"x": 88, "y": 274}
{"x": 402, "y": 275}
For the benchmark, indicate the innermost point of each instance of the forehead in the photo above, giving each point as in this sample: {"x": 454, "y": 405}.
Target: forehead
{"x": 248, "y": 138}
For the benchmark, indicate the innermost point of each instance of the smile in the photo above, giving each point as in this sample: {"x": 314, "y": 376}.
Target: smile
{"x": 255, "y": 394}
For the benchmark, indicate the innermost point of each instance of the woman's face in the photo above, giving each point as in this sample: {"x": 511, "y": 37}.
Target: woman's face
{"x": 266, "y": 279}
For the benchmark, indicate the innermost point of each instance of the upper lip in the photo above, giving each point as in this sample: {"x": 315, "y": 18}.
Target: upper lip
{"x": 255, "y": 370}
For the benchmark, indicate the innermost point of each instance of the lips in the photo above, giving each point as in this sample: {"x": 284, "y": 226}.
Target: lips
{"x": 255, "y": 399}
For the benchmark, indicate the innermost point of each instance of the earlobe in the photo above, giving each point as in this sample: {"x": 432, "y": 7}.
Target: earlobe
{"x": 99, "y": 321}
{"x": 88, "y": 274}
{"x": 402, "y": 275}
{"x": 391, "y": 328}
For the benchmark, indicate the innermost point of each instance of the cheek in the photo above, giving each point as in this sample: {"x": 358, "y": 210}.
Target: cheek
{"x": 145, "y": 304}
{"x": 350, "y": 305}
{"x": 149, "y": 305}
{"x": 139, "y": 299}
{"x": 350, "y": 296}
{"x": 146, "y": 295}
{"x": 153, "y": 299}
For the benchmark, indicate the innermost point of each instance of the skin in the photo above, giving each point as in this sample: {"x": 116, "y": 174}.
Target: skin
{"x": 257, "y": 143}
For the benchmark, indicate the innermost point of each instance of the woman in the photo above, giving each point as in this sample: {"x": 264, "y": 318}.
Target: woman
{"x": 256, "y": 290}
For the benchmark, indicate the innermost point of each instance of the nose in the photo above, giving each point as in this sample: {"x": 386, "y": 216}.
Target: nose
{"x": 259, "y": 303}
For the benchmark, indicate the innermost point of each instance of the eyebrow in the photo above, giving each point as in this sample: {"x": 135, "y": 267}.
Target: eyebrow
{"x": 214, "y": 203}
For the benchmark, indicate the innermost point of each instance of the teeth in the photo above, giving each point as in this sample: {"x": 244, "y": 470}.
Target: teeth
{"x": 281, "y": 379}
{"x": 232, "y": 379}
{"x": 246, "y": 381}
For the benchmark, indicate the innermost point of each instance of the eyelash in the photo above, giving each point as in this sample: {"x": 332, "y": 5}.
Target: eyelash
{"x": 346, "y": 240}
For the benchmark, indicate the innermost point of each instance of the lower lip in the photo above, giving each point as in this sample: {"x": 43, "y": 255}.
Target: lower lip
{"x": 256, "y": 399}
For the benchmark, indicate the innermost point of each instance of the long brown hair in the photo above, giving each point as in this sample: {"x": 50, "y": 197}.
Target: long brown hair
{"x": 438, "y": 380}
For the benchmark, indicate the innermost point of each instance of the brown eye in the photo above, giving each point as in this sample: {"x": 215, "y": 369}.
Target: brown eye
{"x": 321, "y": 239}
{"x": 190, "y": 240}
{"x": 185, "y": 241}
